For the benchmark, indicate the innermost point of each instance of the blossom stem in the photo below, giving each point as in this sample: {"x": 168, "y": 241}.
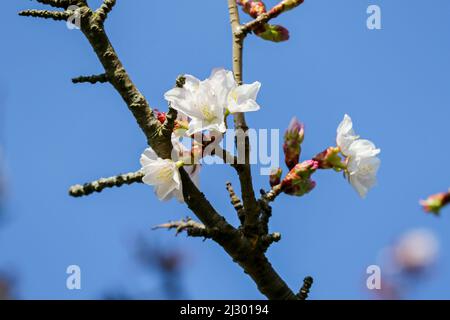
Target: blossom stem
{"x": 264, "y": 18}
{"x": 179, "y": 164}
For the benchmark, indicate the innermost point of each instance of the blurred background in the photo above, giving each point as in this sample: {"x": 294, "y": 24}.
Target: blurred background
{"x": 393, "y": 82}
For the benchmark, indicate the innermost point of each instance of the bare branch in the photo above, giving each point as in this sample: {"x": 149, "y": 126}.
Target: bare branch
{"x": 304, "y": 291}
{"x": 192, "y": 228}
{"x": 61, "y": 3}
{"x": 55, "y": 15}
{"x": 105, "y": 8}
{"x": 102, "y": 78}
{"x": 103, "y": 183}
{"x": 244, "y": 171}
{"x": 255, "y": 264}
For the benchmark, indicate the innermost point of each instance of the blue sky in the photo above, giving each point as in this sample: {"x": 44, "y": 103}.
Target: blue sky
{"x": 394, "y": 83}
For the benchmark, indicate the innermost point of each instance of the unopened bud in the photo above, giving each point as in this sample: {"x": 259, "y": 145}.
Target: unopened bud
{"x": 436, "y": 202}
{"x": 293, "y": 139}
{"x": 298, "y": 181}
{"x": 275, "y": 176}
{"x": 252, "y": 7}
{"x": 274, "y": 33}
{"x": 161, "y": 116}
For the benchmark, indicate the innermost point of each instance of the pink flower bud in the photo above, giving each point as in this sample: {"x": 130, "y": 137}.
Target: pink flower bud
{"x": 161, "y": 116}
{"x": 293, "y": 139}
{"x": 274, "y": 33}
{"x": 252, "y": 7}
{"x": 284, "y": 6}
{"x": 298, "y": 181}
{"x": 436, "y": 202}
{"x": 275, "y": 177}
{"x": 330, "y": 159}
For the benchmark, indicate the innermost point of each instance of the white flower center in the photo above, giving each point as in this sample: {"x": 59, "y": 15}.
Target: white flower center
{"x": 208, "y": 114}
{"x": 234, "y": 95}
{"x": 165, "y": 174}
{"x": 365, "y": 170}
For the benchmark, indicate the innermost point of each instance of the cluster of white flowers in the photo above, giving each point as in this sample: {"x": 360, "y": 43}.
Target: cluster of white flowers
{"x": 201, "y": 105}
{"x": 207, "y": 102}
{"x": 362, "y": 160}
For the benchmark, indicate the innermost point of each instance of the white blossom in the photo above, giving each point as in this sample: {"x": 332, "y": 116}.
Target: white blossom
{"x": 345, "y": 134}
{"x": 234, "y": 97}
{"x": 362, "y": 160}
{"x": 162, "y": 174}
{"x": 196, "y": 99}
{"x": 206, "y": 102}
{"x": 362, "y": 173}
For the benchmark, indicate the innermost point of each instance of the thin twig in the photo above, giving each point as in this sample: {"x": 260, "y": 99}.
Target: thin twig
{"x": 192, "y": 228}
{"x": 105, "y": 8}
{"x": 59, "y": 3}
{"x": 244, "y": 171}
{"x": 266, "y": 17}
{"x": 46, "y": 14}
{"x": 103, "y": 183}
{"x": 304, "y": 291}
{"x": 97, "y": 78}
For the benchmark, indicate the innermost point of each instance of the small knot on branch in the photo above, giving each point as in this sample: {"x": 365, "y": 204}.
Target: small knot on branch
{"x": 236, "y": 202}
{"x": 100, "y": 78}
{"x": 267, "y": 240}
{"x": 103, "y": 183}
{"x": 304, "y": 291}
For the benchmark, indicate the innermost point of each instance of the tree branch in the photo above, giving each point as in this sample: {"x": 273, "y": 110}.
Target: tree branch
{"x": 102, "y": 78}
{"x": 242, "y": 249}
{"x": 55, "y": 15}
{"x": 64, "y": 4}
{"x": 304, "y": 291}
{"x": 244, "y": 171}
{"x": 105, "y": 8}
{"x": 192, "y": 228}
{"x": 103, "y": 183}
{"x": 256, "y": 264}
